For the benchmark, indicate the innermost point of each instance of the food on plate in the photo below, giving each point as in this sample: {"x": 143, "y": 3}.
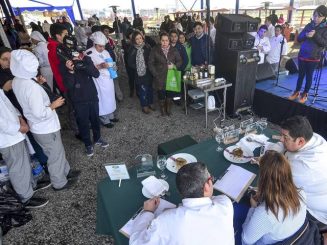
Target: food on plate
{"x": 180, "y": 162}
{"x": 237, "y": 152}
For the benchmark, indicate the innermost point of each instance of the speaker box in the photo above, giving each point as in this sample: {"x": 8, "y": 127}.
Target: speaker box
{"x": 241, "y": 75}
{"x": 292, "y": 66}
{"x": 234, "y": 41}
{"x": 264, "y": 72}
{"x": 236, "y": 23}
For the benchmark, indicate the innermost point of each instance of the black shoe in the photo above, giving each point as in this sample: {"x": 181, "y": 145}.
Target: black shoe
{"x": 42, "y": 184}
{"x": 114, "y": 120}
{"x": 109, "y": 125}
{"x": 68, "y": 185}
{"x": 79, "y": 137}
{"x": 73, "y": 174}
{"x": 36, "y": 202}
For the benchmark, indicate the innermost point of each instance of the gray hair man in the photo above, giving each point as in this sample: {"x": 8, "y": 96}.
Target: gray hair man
{"x": 201, "y": 219}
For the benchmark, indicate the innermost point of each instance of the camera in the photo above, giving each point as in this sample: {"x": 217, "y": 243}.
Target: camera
{"x": 70, "y": 51}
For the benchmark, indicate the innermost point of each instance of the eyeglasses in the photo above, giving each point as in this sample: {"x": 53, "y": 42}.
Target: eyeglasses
{"x": 287, "y": 137}
{"x": 212, "y": 178}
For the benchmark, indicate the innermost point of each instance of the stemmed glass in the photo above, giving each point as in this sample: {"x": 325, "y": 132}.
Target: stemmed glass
{"x": 220, "y": 138}
{"x": 262, "y": 124}
{"x": 161, "y": 164}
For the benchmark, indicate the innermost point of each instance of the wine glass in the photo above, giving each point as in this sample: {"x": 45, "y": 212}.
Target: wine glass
{"x": 161, "y": 164}
{"x": 219, "y": 138}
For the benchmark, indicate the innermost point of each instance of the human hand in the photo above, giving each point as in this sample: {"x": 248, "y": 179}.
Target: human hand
{"x": 260, "y": 48}
{"x": 170, "y": 66}
{"x": 41, "y": 79}
{"x": 57, "y": 103}
{"x": 311, "y": 33}
{"x": 103, "y": 65}
{"x": 152, "y": 204}
{"x": 254, "y": 201}
{"x": 24, "y": 128}
{"x": 70, "y": 65}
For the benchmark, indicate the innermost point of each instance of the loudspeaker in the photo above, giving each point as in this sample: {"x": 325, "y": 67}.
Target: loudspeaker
{"x": 236, "y": 23}
{"x": 234, "y": 41}
{"x": 265, "y": 71}
{"x": 292, "y": 66}
{"x": 238, "y": 68}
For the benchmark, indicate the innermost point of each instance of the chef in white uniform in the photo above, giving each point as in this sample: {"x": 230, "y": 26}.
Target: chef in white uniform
{"x": 262, "y": 43}
{"x": 41, "y": 52}
{"x": 201, "y": 219}
{"x": 104, "y": 83}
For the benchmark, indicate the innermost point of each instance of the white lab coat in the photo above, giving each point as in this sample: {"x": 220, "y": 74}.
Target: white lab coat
{"x": 264, "y": 42}
{"x": 198, "y": 221}
{"x": 104, "y": 83}
{"x": 276, "y": 45}
{"x": 9, "y": 123}
{"x": 309, "y": 170}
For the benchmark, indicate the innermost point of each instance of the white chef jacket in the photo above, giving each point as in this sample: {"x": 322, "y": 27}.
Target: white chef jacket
{"x": 198, "y": 221}
{"x": 276, "y": 45}
{"x": 41, "y": 52}
{"x": 9, "y": 123}
{"x": 271, "y": 31}
{"x": 309, "y": 170}
{"x": 264, "y": 42}
{"x": 36, "y": 106}
{"x": 104, "y": 83}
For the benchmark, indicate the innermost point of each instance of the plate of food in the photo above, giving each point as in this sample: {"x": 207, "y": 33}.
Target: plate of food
{"x": 175, "y": 162}
{"x": 236, "y": 154}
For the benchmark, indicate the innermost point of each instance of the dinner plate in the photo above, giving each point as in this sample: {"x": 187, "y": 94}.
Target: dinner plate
{"x": 230, "y": 157}
{"x": 171, "y": 164}
{"x": 149, "y": 195}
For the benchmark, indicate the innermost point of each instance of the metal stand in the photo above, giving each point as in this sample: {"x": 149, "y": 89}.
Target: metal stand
{"x": 280, "y": 58}
{"x": 317, "y": 78}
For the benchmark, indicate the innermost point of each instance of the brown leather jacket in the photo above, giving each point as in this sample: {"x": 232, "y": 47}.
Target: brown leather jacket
{"x": 158, "y": 64}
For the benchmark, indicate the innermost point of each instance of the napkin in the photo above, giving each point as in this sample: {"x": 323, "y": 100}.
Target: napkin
{"x": 154, "y": 186}
{"x": 250, "y": 146}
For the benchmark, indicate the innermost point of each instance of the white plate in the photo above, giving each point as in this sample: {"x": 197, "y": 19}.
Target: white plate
{"x": 149, "y": 195}
{"x": 171, "y": 164}
{"x": 234, "y": 159}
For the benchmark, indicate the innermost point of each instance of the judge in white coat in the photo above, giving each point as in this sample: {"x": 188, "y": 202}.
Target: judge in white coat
{"x": 278, "y": 46}
{"x": 262, "y": 43}
{"x": 41, "y": 52}
{"x": 307, "y": 154}
{"x": 40, "y": 114}
{"x": 104, "y": 83}
{"x": 201, "y": 219}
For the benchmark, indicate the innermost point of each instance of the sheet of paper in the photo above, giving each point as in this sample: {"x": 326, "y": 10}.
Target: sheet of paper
{"x": 153, "y": 185}
{"x": 117, "y": 171}
{"x": 126, "y": 230}
{"x": 235, "y": 182}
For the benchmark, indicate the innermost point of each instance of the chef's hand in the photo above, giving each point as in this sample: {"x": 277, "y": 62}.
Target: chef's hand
{"x": 152, "y": 204}
{"x": 57, "y": 103}
{"x": 70, "y": 65}
{"x": 41, "y": 79}
{"x": 24, "y": 128}
{"x": 311, "y": 33}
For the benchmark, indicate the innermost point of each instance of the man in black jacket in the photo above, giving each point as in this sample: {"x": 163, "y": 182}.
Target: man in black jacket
{"x": 78, "y": 71}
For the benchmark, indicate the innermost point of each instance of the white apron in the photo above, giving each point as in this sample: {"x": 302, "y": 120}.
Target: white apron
{"x": 104, "y": 84}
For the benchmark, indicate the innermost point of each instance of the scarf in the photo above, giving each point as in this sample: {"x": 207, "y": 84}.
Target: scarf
{"x": 165, "y": 51}
{"x": 140, "y": 62}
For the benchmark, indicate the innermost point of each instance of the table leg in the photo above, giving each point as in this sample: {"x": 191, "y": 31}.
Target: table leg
{"x": 185, "y": 97}
{"x": 206, "y": 108}
{"x": 225, "y": 92}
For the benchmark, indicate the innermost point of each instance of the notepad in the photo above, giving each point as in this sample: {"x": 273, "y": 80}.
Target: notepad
{"x": 127, "y": 229}
{"x": 234, "y": 182}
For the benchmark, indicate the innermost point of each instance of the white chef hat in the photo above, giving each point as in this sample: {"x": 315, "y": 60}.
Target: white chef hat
{"x": 38, "y": 36}
{"x": 99, "y": 38}
{"x": 23, "y": 64}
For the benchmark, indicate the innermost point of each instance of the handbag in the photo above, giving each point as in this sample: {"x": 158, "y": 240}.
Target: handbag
{"x": 173, "y": 80}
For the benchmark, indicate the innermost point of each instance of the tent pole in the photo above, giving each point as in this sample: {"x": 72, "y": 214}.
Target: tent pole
{"x": 237, "y": 6}
{"x": 79, "y": 9}
{"x": 5, "y": 10}
{"x": 133, "y": 8}
{"x": 10, "y": 9}
{"x": 290, "y": 12}
{"x": 208, "y": 28}
{"x": 201, "y": 9}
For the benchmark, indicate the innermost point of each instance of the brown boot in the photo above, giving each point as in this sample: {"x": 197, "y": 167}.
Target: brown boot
{"x": 162, "y": 107}
{"x": 169, "y": 103}
{"x": 146, "y": 110}
{"x": 294, "y": 96}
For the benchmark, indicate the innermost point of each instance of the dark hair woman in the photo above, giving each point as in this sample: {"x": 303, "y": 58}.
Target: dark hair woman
{"x": 138, "y": 60}
{"x": 278, "y": 209}
{"x": 314, "y": 40}
{"x": 162, "y": 58}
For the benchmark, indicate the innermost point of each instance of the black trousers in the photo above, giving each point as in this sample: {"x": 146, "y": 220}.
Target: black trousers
{"x": 86, "y": 113}
{"x": 131, "y": 78}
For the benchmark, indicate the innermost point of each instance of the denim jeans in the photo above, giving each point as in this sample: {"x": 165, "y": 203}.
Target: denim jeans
{"x": 146, "y": 94}
{"x": 306, "y": 69}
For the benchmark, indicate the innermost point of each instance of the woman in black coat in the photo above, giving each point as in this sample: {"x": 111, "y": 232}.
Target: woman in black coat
{"x": 138, "y": 60}
{"x": 162, "y": 58}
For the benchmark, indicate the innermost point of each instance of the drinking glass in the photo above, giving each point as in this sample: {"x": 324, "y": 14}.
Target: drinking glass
{"x": 262, "y": 124}
{"x": 161, "y": 164}
{"x": 220, "y": 138}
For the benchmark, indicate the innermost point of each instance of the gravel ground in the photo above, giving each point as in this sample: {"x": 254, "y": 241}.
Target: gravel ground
{"x": 70, "y": 216}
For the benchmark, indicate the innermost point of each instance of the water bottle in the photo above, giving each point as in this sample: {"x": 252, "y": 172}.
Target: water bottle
{"x": 112, "y": 68}
{"x": 4, "y": 175}
{"x": 37, "y": 169}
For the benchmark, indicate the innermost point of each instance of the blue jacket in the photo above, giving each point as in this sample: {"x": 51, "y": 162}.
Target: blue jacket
{"x": 311, "y": 48}
{"x": 182, "y": 52}
{"x": 199, "y": 50}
